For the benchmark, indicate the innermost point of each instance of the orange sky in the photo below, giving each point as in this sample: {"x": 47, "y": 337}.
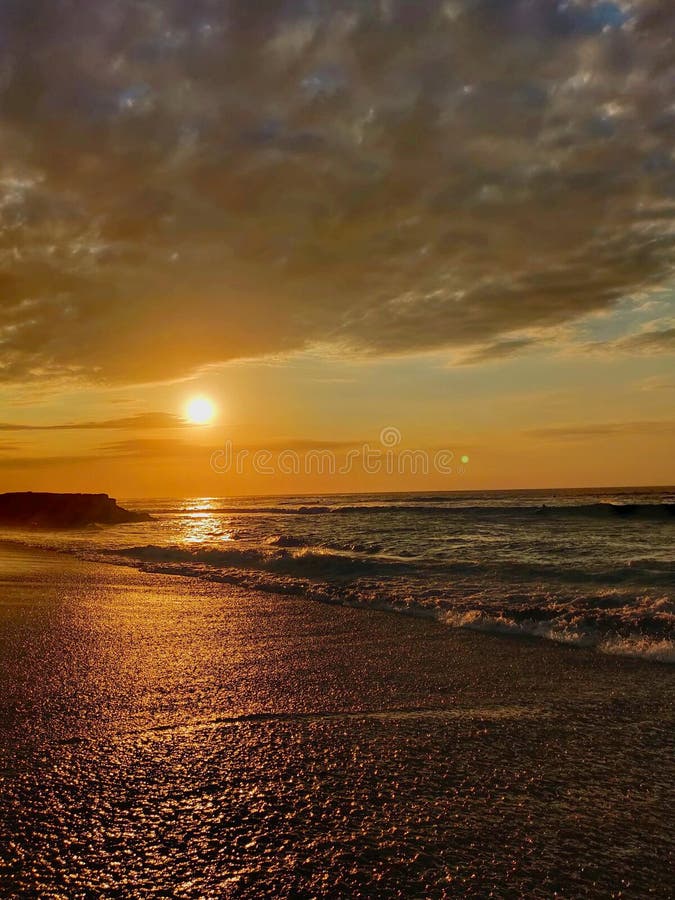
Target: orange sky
{"x": 450, "y": 219}
{"x": 612, "y": 426}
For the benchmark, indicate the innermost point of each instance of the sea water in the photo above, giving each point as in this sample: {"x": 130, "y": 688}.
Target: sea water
{"x": 592, "y": 568}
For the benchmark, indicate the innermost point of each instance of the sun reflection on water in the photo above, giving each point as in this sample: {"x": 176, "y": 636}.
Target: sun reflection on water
{"x": 202, "y": 526}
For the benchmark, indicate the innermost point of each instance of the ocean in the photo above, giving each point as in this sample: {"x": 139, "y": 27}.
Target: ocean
{"x": 587, "y": 568}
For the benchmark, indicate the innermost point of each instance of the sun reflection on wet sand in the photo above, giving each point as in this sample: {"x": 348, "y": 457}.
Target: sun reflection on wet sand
{"x": 165, "y": 729}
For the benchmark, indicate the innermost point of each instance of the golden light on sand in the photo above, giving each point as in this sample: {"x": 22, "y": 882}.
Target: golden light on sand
{"x": 200, "y": 411}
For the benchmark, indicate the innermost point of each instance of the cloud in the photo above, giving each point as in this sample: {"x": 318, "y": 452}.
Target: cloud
{"x": 154, "y": 448}
{"x": 175, "y": 448}
{"x": 165, "y": 449}
{"x": 42, "y": 462}
{"x": 188, "y": 183}
{"x": 656, "y": 383}
{"x": 129, "y": 449}
{"x": 602, "y": 430}
{"x": 496, "y": 351}
{"x": 140, "y": 422}
{"x": 654, "y": 339}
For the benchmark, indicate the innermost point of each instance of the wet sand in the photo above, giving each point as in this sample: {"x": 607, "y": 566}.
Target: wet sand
{"x": 162, "y": 736}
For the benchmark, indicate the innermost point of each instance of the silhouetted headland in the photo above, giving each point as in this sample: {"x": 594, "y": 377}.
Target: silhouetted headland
{"x": 44, "y": 510}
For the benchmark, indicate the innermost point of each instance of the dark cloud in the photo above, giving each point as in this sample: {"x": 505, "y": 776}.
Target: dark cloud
{"x": 602, "y": 430}
{"x": 185, "y": 183}
{"x": 140, "y": 422}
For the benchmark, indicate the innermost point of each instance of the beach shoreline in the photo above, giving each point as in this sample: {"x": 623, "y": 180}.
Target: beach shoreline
{"x": 633, "y": 646}
{"x": 164, "y": 730}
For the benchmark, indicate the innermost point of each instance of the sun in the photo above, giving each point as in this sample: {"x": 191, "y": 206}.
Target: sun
{"x": 200, "y": 411}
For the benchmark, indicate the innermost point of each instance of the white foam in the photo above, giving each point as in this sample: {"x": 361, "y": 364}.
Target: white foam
{"x": 560, "y": 632}
{"x": 639, "y": 647}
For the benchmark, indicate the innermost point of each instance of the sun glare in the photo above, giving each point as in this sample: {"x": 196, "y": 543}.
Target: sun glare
{"x": 200, "y": 411}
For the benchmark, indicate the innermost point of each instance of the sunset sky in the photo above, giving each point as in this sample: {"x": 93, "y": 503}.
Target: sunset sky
{"x": 450, "y": 217}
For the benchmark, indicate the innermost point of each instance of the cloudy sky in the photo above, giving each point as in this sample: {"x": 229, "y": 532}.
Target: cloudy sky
{"x": 452, "y": 217}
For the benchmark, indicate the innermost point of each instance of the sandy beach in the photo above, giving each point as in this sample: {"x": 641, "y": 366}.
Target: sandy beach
{"x": 169, "y": 737}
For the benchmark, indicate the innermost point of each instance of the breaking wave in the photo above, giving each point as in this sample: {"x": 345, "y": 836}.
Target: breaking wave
{"x": 609, "y": 621}
{"x": 278, "y": 558}
{"x": 290, "y": 555}
{"x": 615, "y": 637}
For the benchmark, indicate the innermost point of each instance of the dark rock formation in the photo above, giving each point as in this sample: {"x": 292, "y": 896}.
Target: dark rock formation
{"x": 64, "y": 510}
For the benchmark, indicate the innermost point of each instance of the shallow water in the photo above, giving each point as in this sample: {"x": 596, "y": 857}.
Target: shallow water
{"x": 168, "y": 736}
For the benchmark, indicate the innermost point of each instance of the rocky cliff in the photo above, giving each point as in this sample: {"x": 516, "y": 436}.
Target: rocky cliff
{"x": 63, "y": 510}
